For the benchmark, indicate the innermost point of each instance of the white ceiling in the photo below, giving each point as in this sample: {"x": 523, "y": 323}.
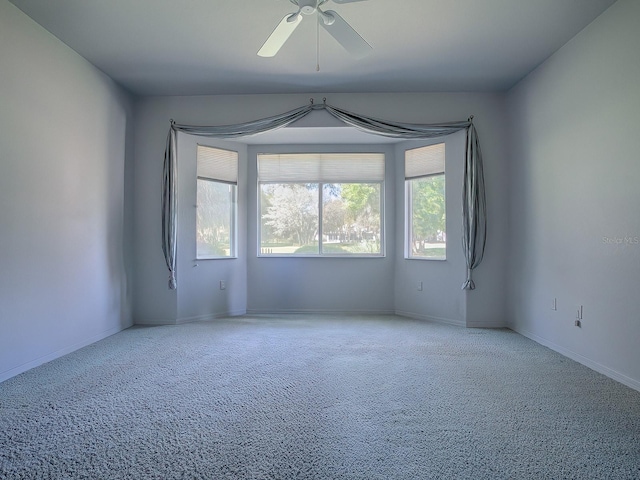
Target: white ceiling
{"x": 188, "y": 47}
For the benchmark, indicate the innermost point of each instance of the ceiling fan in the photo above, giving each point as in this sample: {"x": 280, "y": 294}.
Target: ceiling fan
{"x": 333, "y": 23}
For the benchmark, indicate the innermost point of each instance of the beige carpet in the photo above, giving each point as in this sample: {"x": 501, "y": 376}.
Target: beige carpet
{"x": 317, "y": 397}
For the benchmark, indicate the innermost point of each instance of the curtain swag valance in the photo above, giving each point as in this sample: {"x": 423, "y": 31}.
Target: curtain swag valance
{"x": 474, "y": 215}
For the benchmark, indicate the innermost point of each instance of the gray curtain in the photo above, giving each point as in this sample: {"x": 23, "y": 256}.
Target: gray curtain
{"x": 170, "y": 207}
{"x": 474, "y": 206}
{"x": 170, "y": 170}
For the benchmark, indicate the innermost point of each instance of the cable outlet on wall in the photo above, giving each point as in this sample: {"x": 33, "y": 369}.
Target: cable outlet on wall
{"x": 223, "y": 285}
{"x": 578, "y": 321}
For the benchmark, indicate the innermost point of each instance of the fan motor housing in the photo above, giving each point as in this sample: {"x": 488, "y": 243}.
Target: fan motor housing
{"x": 308, "y": 6}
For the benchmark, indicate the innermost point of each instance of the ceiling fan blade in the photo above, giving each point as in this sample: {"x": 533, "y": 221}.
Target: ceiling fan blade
{"x": 345, "y": 34}
{"x": 280, "y": 35}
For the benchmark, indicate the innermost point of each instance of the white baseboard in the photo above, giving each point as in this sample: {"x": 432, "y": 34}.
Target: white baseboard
{"x": 209, "y": 317}
{"x": 587, "y": 362}
{"x": 318, "y": 312}
{"x": 12, "y": 372}
{"x": 419, "y": 316}
{"x": 193, "y": 319}
{"x": 495, "y": 324}
{"x": 155, "y": 321}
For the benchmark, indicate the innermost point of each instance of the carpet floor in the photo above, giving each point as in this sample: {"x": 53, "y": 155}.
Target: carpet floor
{"x": 317, "y": 397}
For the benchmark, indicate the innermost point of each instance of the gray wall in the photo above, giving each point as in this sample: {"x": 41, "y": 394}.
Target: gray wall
{"x": 315, "y": 284}
{"x": 198, "y": 296}
{"x": 441, "y": 298}
{"x": 65, "y": 140}
{"x": 574, "y": 219}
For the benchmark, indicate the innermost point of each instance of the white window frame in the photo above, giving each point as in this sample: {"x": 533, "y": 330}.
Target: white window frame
{"x": 222, "y": 171}
{"x": 321, "y": 185}
{"x": 421, "y": 169}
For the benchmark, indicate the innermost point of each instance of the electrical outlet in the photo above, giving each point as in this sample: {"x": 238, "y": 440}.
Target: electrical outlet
{"x": 554, "y": 304}
{"x": 223, "y": 285}
{"x": 579, "y": 312}
{"x": 419, "y": 286}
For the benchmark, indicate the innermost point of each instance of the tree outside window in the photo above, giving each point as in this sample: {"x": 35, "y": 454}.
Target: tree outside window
{"x": 426, "y": 205}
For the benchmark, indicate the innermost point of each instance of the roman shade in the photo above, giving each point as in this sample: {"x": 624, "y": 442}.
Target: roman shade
{"x": 217, "y": 164}
{"x": 424, "y": 161}
{"x": 321, "y": 167}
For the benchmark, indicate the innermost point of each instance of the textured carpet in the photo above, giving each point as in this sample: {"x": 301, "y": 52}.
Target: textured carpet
{"x": 318, "y": 398}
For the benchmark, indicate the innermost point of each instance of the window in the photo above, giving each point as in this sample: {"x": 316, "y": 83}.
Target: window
{"x": 425, "y": 202}
{"x": 217, "y": 179}
{"x": 321, "y": 204}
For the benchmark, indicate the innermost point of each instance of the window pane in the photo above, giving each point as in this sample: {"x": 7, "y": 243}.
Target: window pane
{"x": 428, "y": 217}
{"x": 214, "y": 225}
{"x": 321, "y": 203}
{"x": 351, "y": 220}
{"x": 289, "y": 219}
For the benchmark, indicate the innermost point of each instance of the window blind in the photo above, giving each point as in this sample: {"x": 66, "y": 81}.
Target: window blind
{"x": 424, "y": 161}
{"x": 321, "y": 167}
{"x": 217, "y": 164}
